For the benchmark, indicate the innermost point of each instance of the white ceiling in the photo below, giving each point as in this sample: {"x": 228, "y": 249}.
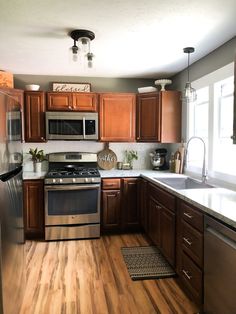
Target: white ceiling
{"x": 134, "y": 38}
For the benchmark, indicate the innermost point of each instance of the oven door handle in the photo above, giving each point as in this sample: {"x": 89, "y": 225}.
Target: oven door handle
{"x": 84, "y": 131}
{"x": 71, "y": 187}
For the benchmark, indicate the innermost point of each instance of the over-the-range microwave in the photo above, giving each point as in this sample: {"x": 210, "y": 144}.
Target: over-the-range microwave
{"x": 71, "y": 125}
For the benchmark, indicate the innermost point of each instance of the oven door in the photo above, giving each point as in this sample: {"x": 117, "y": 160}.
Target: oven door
{"x": 72, "y": 204}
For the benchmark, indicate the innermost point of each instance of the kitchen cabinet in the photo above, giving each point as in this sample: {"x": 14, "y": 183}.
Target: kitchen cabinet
{"x": 130, "y": 204}
{"x": 189, "y": 248}
{"x": 111, "y": 205}
{"x": 117, "y": 117}
{"x": 34, "y": 116}
{"x": 142, "y": 203}
{"x": 33, "y": 200}
{"x": 60, "y": 101}
{"x": 162, "y": 217}
{"x": 17, "y": 95}
{"x": 119, "y": 207}
{"x": 159, "y": 117}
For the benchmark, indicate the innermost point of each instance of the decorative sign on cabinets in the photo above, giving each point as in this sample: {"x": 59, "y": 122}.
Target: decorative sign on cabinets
{"x": 71, "y": 87}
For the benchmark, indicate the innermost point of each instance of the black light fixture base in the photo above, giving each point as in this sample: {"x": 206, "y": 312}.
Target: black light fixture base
{"x": 79, "y": 33}
{"x": 189, "y": 50}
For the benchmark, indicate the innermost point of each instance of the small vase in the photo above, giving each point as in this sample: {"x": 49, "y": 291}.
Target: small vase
{"x": 37, "y": 167}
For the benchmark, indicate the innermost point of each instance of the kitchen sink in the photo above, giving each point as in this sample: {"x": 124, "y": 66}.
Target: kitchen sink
{"x": 185, "y": 183}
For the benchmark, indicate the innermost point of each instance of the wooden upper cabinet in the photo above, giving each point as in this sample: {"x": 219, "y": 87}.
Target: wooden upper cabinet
{"x": 148, "y": 118}
{"x": 34, "y": 116}
{"x": 85, "y": 101}
{"x": 59, "y": 101}
{"x": 117, "y": 117}
{"x": 159, "y": 117}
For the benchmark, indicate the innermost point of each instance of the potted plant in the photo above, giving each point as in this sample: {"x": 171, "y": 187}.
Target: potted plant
{"x": 130, "y": 155}
{"x": 37, "y": 157}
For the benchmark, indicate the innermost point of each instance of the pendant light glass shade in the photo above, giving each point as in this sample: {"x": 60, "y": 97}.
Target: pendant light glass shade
{"x": 189, "y": 94}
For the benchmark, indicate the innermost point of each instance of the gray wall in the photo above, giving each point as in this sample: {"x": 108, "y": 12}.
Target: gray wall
{"x": 213, "y": 61}
{"x": 98, "y": 84}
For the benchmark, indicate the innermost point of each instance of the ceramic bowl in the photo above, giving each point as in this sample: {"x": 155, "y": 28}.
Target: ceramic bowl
{"x": 32, "y": 87}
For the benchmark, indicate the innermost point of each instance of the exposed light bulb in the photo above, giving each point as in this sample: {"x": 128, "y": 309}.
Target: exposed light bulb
{"x": 190, "y": 93}
{"x": 75, "y": 50}
{"x": 90, "y": 59}
{"x": 85, "y": 44}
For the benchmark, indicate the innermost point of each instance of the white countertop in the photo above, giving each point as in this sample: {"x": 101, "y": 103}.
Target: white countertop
{"x": 217, "y": 202}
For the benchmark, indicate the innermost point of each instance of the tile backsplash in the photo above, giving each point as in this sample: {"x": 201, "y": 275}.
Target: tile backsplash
{"x": 143, "y": 150}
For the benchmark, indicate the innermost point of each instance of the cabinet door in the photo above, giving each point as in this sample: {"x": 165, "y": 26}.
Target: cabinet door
{"x": 168, "y": 234}
{"x": 117, "y": 117}
{"x": 16, "y": 100}
{"x": 59, "y": 101}
{"x": 142, "y": 203}
{"x": 154, "y": 216}
{"x": 170, "y": 116}
{"x": 148, "y": 118}
{"x": 130, "y": 207}
{"x": 34, "y": 117}
{"x": 33, "y": 192}
{"x": 111, "y": 210}
{"x": 85, "y": 102}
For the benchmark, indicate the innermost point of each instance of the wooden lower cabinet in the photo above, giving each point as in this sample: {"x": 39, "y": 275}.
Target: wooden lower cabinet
{"x": 143, "y": 204}
{"x": 130, "y": 209}
{"x": 189, "y": 248}
{"x": 154, "y": 221}
{"x": 111, "y": 210}
{"x": 33, "y": 199}
{"x": 167, "y": 224}
{"x": 119, "y": 207}
{"x": 161, "y": 222}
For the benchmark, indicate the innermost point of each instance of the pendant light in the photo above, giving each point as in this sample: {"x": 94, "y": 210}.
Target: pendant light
{"x": 82, "y": 39}
{"x": 189, "y": 92}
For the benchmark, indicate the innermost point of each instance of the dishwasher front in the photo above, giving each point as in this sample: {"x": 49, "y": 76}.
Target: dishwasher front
{"x": 219, "y": 268}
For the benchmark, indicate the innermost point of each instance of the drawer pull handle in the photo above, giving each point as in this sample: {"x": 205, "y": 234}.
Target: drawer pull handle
{"x": 110, "y": 184}
{"x": 188, "y": 215}
{"x": 187, "y": 241}
{"x": 186, "y": 274}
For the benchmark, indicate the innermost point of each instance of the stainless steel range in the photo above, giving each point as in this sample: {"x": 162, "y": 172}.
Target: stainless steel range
{"x": 72, "y": 196}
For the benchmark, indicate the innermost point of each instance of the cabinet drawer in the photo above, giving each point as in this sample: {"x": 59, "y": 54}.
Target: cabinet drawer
{"x": 192, "y": 216}
{"x": 111, "y": 184}
{"x": 192, "y": 243}
{"x": 163, "y": 197}
{"x": 192, "y": 278}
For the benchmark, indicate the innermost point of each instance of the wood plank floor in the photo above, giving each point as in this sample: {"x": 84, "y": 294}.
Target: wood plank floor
{"x": 90, "y": 276}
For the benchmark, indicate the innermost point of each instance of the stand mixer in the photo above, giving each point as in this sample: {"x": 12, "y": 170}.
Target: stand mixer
{"x": 158, "y": 159}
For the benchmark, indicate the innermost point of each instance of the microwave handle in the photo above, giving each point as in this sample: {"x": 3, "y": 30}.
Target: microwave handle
{"x": 84, "y": 134}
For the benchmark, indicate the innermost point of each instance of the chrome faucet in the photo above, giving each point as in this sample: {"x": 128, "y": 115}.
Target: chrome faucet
{"x": 204, "y": 169}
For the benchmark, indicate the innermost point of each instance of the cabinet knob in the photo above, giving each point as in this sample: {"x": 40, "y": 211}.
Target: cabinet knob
{"x": 42, "y": 138}
{"x": 158, "y": 207}
{"x": 70, "y": 107}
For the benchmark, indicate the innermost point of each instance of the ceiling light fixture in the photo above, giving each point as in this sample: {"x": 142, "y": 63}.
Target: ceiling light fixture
{"x": 82, "y": 39}
{"x": 189, "y": 92}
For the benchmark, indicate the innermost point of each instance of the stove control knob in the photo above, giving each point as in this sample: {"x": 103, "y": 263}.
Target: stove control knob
{"x": 86, "y": 180}
{"x": 73, "y": 180}
{"x": 92, "y": 180}
{"x": 53, "y": 180}
{"x": 60, "y": 180}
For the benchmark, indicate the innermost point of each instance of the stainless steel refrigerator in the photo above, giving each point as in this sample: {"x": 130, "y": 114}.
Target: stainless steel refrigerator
{"x": 12, "y": 265}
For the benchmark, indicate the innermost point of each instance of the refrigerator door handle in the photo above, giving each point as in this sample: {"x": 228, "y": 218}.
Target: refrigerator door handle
{"x": 8, "y": 175}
